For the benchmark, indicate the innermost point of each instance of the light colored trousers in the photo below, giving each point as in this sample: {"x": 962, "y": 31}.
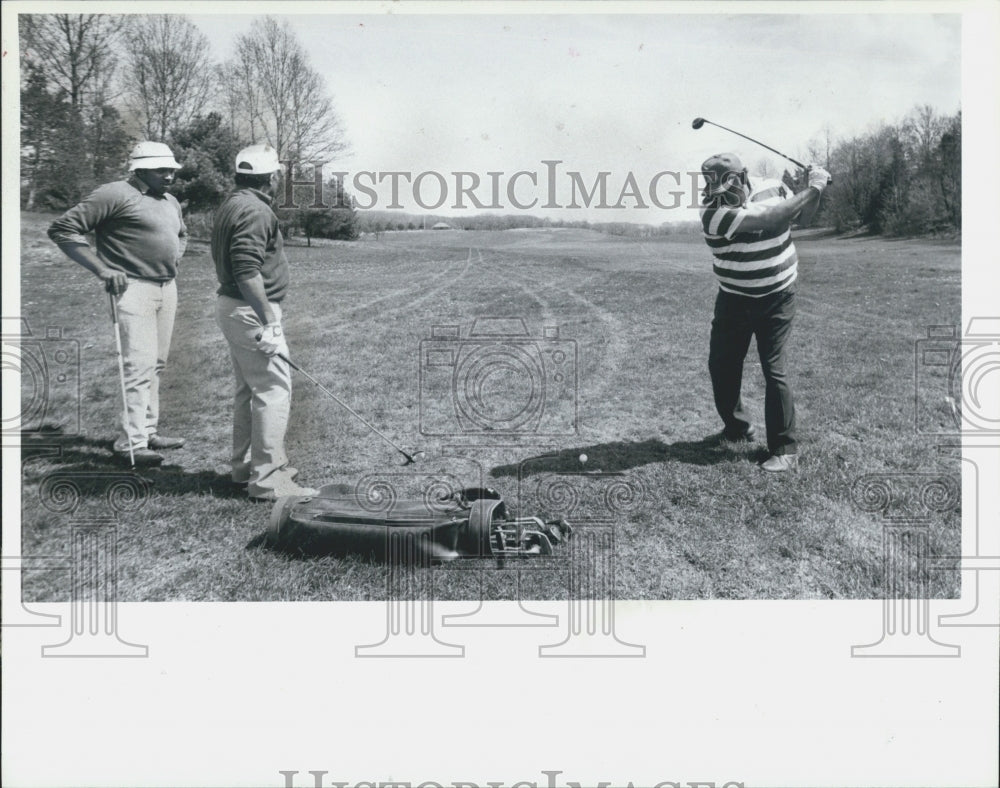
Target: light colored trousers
{"x": 146, "y": 319}
{"x": 261, "y": 403}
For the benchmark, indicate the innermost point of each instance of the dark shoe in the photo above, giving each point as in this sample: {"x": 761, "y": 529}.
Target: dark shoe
{"x": 159, "y": 442}
{"x": 143, "y": 457}
{"x": 780, "y": 463}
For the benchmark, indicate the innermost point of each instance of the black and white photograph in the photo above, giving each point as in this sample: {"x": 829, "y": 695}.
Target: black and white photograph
{"x": 629, "y": 371}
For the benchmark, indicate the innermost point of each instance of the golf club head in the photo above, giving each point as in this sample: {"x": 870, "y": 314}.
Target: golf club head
{"x": 410, "y": 459}
{"x": 697, "y": 123}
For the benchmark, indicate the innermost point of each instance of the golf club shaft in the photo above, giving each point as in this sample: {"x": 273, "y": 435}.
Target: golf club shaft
{"x": 342, "y": 404}
{"x": 121, "y": 372}
{"x": 758, "y": 142}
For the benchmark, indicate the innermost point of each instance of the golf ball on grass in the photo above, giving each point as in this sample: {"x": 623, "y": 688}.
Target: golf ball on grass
{"x": 583, "y": 458}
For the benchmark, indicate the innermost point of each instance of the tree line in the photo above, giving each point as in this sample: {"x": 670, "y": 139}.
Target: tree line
{"x": 898, "y": 179}
{"x": 93, "y": 84}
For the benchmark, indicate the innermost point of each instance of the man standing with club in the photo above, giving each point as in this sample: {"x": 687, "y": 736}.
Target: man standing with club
{"x": 252, "y": 270}
{"x": 747, "y": 225}
{"x": 140, "y": 237}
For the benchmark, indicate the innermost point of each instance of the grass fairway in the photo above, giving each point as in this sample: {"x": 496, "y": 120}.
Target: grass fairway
{"x": 709, "y": 523}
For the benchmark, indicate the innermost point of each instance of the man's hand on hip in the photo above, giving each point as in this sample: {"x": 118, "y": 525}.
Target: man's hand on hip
{"x": 271, "y": 340}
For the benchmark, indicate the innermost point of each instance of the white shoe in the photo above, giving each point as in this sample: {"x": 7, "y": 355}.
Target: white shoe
{"x": 779, "y": 463}
{"x": 270, "y": 496}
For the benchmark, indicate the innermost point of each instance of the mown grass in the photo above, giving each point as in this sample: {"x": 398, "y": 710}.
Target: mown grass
{"x": 709, "y": 525}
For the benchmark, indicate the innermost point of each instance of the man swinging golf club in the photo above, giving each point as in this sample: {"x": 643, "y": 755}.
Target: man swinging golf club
{"x": 747, "y": 225}
{"x": 252, "y": 270}
{"x": 140, "y": 237}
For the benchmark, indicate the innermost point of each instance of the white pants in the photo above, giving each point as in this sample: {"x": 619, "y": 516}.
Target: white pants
{"x": 146, "y": 319}
{"x": 261, "y": 403}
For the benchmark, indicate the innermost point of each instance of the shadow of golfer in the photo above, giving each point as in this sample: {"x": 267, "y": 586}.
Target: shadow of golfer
{"x": 623, "y": 455}
{"x": 79, "y": 458}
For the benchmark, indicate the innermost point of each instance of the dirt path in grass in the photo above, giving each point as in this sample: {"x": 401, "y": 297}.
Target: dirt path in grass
{"x": 560, "y": 291}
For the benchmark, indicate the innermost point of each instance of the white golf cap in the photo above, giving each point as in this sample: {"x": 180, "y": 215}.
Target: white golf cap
{"x": 148, "y": 155}
{"x": 257, "y": 160}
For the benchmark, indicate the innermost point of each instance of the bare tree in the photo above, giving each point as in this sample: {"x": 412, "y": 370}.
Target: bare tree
{"x": 765, "y": 169}
{"x": 274, "y": 95}
{"x": 168, "y": 78}
{"x": 821, "y": 148}
{"x": 921, "y": 131}
{"x": 76, "y": 52}
{"x": 75, "y": 132}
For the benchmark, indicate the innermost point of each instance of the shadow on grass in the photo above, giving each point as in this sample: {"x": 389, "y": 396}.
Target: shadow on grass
{"x": 265, "y": 542}
{"x": 49, "y": 453}
{"x": 623, "y": 455}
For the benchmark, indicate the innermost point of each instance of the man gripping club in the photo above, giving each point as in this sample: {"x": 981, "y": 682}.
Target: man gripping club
{"x": 252, "y": 270}
{"x": 747, "y": 225}
{"x": 140, "y": 238}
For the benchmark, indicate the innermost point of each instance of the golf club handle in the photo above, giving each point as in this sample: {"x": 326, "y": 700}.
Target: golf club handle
{"x": 121, "y": 369}
{"x": 828, "y": 180}
{"x": 292, "y": 364}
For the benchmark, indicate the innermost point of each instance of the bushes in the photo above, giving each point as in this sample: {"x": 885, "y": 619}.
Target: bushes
{"x": 902, "y": 179}
{"x": 199, "y": 224}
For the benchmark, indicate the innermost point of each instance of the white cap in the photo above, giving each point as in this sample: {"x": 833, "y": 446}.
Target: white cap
{"x": 148, "y": 155}
{"x": 257, "y": 160}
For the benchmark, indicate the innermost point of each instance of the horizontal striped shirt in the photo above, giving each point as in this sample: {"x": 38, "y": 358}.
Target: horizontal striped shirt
{"x": 752, "y": 264}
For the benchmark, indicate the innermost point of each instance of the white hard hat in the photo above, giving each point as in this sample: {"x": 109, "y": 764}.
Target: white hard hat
{"x": 257, "y": 160}
{"x": 148, "y": 155}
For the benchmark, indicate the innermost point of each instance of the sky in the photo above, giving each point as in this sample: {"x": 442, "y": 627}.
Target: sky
{"x": 603, "y": 92}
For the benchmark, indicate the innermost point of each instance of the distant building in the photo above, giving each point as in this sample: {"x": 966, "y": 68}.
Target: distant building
{"x": 441, "y": 226}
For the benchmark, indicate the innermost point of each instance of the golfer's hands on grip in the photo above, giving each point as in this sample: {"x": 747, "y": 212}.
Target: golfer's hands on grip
{"x": 271, "y": 340}
{"x": 818, "y": 178}
{"x": 114, "y": 281}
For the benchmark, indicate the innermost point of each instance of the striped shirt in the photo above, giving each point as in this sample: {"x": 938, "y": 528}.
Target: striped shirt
{"x": 751, "y": 264}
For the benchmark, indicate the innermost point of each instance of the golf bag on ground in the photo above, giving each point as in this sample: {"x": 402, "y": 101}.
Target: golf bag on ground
{"x": 471, "y": 523}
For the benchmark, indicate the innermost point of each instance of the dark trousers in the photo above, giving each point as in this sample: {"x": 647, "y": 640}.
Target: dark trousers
{"x": 769, "y": 319}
